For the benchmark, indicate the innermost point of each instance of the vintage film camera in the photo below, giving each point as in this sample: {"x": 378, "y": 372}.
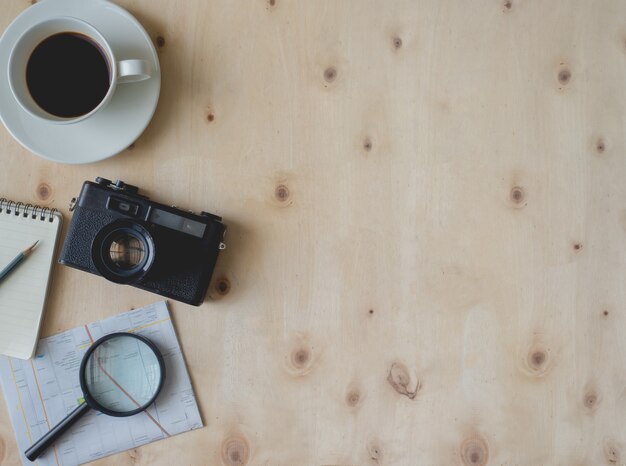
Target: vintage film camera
{"x": 125, "y": 237}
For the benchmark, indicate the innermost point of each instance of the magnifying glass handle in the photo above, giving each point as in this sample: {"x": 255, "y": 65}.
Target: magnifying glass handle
{"x": 44, "y": 442}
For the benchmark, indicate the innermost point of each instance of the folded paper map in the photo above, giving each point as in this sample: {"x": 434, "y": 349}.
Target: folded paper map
{"x": 40, "y": 392}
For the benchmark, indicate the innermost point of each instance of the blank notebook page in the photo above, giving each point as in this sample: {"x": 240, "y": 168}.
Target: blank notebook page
{"x": 23, "y": 291}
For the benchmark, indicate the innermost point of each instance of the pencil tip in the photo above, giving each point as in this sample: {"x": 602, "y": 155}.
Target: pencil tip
{"x": 30, "y": 249}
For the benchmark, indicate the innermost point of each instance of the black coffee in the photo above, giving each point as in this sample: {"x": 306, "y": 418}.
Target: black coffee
{"x": 68, "y": 75}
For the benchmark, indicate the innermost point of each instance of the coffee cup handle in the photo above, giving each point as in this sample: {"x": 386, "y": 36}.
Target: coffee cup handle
{"x": 131, "y": 71}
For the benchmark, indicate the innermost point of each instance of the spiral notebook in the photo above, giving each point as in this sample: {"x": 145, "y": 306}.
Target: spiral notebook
{"x": 23, "y": 292}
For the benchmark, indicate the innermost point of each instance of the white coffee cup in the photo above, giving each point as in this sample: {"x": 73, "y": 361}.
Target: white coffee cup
{"x": 120, "y": 72}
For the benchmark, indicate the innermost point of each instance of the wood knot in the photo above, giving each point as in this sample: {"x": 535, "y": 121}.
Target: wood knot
{"x": 131, "y": 147}
{"x": 517, "y": 195}
{"x": 397, "y": 43}
{"x": 330, "y": 74}
{"x": 371, "y": 311}
{"x": 222, "y": 286}
{"x": 605, "y": 313}
{"x": 135, "y": 455}
{"x": 300, "y": 357}
{"x": 600, "y": 146}
{"x": 577, "y": 247}
{"x": 564, "y": 76}
{"x": 375, "y": 451}
{"x": 353, "y": 397}
{"x": 591, "y": 400}
{"x": 235, "y": 451}
{"x": 538, "y": 361}
{"x": 612, "y": 452}
{"x": 367, "y": 144}
{"x": 281, "y": 193}
{"x": 271, "y": 2}
{"x": 210, "y": 117}
{"x": 160, "y": 41}
{"x": 508, "y": 4}
{"x": 44, "y": 191}
{"x": 399, "y": 379}
{"x": 474, "y": 452}
{"x": 300, "y": 361}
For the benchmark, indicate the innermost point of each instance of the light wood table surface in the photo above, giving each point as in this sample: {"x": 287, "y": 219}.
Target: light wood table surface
{"x": 426, "y": 204}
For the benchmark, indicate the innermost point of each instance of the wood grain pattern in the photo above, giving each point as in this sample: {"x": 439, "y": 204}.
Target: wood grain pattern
{"x": 427, "y": 229}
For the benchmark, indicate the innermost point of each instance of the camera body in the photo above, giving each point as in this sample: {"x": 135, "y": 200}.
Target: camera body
{"x": 125, "y": 237}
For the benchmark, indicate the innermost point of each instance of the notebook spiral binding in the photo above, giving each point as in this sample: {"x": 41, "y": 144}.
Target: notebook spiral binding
{"x": 8, "y": 207}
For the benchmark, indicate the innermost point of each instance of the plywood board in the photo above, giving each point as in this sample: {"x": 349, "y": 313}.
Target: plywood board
{"x": 427, "y": 229}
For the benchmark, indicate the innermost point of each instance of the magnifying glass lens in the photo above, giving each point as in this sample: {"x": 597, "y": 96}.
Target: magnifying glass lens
{"x": 122, "y": 374}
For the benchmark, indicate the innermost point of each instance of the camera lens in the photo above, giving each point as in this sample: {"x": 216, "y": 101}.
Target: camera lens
{"x": 123, "y": 251}
{"x": 126, "y": 251}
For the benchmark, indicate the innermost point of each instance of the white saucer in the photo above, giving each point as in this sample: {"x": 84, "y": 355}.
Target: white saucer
{"x": 112, "y": 129}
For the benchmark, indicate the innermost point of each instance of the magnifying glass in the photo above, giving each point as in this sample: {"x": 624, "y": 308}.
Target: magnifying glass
{"x": 121, "y": 374}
